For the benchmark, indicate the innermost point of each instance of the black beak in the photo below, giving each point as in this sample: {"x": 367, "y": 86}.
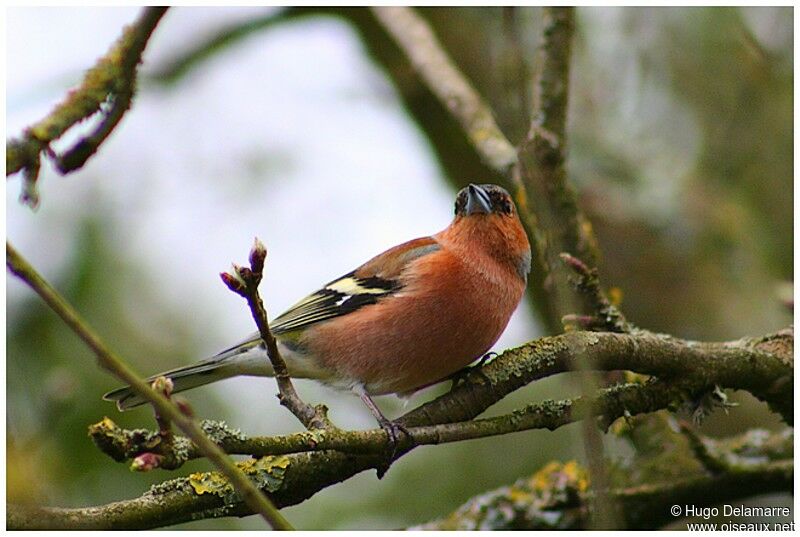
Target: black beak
{"x": 478, "y": 201}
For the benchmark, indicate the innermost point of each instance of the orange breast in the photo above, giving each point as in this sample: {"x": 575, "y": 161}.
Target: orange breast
{"x": 449, "y": 312}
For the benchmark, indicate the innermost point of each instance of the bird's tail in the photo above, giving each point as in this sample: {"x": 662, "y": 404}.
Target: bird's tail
{"x": 247, "y": 358}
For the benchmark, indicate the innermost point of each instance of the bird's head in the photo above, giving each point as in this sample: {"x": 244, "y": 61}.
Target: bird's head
{"x": 486, "y": 218}
{"x": 482, "y": 200}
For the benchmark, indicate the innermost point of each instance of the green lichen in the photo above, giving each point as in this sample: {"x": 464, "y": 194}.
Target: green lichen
{"x": 314, "y": 437}
{"x": 219, "y": 431}
{"x": 181, "y": 450}
{"x": 538, "y": 355}
{"x": 166, "y": 487}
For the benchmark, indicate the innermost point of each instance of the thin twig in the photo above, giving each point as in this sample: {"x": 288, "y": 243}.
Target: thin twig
{"x": 245, "y": 284}
{"x": 112, "y": 363}
{"x": 112, "y": 80}
{"x": 605, "y": 315}
{"x": 184, "y": 61}
{"x": 418, "y": 42}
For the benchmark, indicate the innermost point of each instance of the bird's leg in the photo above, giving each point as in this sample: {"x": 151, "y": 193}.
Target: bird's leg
{"x": 460, "y": 376}
{"x": 392, "y": 428}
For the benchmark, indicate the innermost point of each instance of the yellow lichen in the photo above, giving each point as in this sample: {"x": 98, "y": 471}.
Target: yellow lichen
{"x": 104, "y": 426}
{"x": 519, "y": 495}
{"x": 557, "y": 476}
{"x": 267, "y": 472}
{"x": 210, "y": 483}
{"x": 615, "y": 296}
{"x": 577, "y": 476}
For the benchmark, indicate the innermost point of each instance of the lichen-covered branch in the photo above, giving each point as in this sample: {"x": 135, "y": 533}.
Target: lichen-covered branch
{"x": 761, "y": 365}
{"x": 415, "y": 38}
{"x": 111, "y": 81}
{"x": 610, "y": 404}
{"x": 112, "y": 363}
{"x": 558, "y": 496}
{"x": 287, "y": 479}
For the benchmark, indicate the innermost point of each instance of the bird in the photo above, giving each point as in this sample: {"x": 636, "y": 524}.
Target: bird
{"x": 410, "y": 317}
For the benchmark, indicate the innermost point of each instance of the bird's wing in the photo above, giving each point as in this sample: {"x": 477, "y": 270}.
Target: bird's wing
{"x": 374, "y": 280}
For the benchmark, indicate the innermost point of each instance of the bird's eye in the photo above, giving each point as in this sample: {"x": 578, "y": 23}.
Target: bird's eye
{"x": 505, "y": 206}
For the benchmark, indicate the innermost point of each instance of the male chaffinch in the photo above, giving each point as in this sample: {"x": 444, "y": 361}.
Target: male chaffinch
{"x": 404, "y": 320}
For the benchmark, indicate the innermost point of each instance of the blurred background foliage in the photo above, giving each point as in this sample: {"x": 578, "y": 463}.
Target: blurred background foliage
{"x": 680, "y": 145}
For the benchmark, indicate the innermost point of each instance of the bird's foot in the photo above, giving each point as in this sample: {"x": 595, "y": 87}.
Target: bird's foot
{"x": 394, "y": 432}
{"x": 461, "y": 376}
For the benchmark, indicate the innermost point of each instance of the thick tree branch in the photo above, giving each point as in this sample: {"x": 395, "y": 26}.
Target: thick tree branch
{"x": 764, "y": 366}
{"x": 179, "y": 501}
{"x": 112, "y": 80}
{"x": 287, "y": 479}
{"x": 112, "y": 363}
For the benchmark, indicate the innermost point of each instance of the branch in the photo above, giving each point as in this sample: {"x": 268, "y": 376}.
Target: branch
{"x": 436, "y": 68}
{"x": 177, "y": 67}
{"x": 758, "y": 454}
{"x": 763, "y": 365}
{"x": 208, "y": 495}
{"x": 550, "y": 200}
{"x": 557, "y": 497}
{"x": 112, "y": 80}
{"x": 610, "y": 404}
{"x": 244, "y": 282}
{"x": 112, "y": 363}
{"x": 605, "y": 315}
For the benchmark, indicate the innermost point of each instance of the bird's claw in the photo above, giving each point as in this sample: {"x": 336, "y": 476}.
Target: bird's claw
{"x": 393, "y": 432}
{"x": 461, "y": 376}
